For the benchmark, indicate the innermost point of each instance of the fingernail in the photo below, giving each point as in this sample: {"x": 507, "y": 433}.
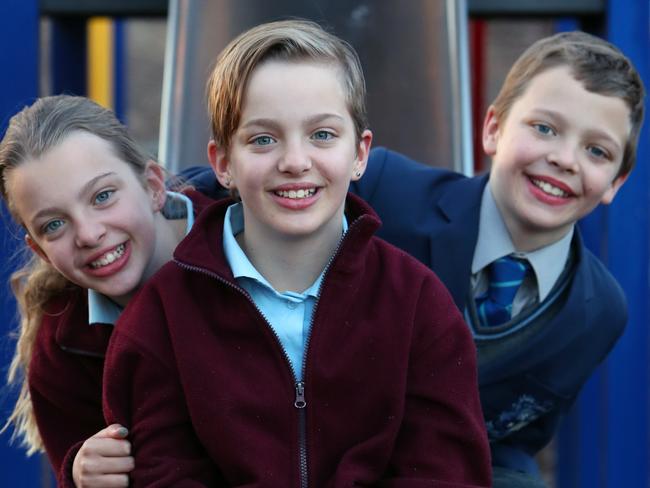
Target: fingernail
{"x": 122, "y": 431}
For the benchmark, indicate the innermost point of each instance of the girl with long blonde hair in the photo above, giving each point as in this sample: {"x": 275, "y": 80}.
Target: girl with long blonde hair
{"x": 100, "y": 222}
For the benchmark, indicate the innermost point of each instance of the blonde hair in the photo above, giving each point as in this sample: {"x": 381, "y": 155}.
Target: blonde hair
{"x": 288, "y": 40}
{"x": 31, "y": 133}
{"x": 33, "y": 286}
{"x": 599, "y": 65}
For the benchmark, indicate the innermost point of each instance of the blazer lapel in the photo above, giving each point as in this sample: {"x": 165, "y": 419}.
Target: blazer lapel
{"x": 453, "y": 239}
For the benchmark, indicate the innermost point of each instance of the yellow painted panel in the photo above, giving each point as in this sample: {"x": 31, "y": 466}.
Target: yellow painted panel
{"x": 100, "y": 60}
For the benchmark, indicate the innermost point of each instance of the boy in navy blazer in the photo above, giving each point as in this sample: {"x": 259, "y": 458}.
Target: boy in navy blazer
{"x": 562, "y": 136}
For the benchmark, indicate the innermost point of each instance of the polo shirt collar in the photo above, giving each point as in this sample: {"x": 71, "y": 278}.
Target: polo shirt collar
{"x": 240, "y": 264}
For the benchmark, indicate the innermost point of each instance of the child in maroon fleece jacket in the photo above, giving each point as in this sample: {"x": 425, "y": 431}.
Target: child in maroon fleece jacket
{"x": 285, "y": 345}
{"x": 98, "y": 218}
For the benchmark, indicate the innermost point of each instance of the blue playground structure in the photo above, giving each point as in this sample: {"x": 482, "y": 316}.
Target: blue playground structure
{"x": 605, "y": 441}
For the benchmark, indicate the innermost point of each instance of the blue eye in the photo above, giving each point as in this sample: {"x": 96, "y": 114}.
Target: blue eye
{"x": 598, "y": 152}
{"x": 52, "y": 226}
{"x": 263, "y": 140}
{"x": 544, "y": 129}
{"x": 103, "y": 196}
{"x": 322, "y": 135}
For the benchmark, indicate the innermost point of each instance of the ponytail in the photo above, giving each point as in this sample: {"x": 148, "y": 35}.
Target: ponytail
{"x": 34, "y": 286}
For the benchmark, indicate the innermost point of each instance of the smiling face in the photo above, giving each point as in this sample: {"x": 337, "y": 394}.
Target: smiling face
{"x": 294, "y": 152}
{"x": 88, "y": 213}
{"x": 555, "y": 156}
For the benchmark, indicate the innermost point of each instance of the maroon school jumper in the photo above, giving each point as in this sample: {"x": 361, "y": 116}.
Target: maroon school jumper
{"x": 389, "y": 395}
{"x": 65, "y": 374}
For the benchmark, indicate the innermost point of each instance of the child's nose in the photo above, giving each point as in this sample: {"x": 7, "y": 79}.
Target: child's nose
{"x": 564, "y": 157}
{"x": 295, "y": 159}
{"x": 89, "y": 234}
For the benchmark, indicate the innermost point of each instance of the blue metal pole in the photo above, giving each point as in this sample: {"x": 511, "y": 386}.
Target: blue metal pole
{"x": 604, "y": 441}
{"x": 628, "y": 242}
{"x": 582, "y": 440}
{"x": 119, "y": 71}
{"x": 19, "y": 56}
{"x": 583, "y": 437}
{"x": 19, "y": 35}
{"x": 68, "y": 56}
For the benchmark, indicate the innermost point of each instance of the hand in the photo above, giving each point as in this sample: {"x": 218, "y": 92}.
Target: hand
{"x": 104, "y": 460}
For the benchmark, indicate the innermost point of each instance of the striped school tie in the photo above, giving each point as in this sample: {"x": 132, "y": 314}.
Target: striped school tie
{"x": 505, "y": 276}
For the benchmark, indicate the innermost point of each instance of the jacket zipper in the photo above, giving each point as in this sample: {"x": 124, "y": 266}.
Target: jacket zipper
{"x": 300, "y": 402}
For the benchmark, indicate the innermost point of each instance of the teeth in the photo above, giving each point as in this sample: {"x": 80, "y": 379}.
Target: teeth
{"x": 550, "y": 189}
{"x": 296, "y": 193}
{"x": 109, "y": 257}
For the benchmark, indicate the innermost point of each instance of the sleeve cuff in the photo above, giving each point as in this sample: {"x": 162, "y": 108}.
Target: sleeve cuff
{"x": 64, "y": 476}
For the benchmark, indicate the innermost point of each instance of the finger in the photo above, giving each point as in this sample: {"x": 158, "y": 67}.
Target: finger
{"x": 105, "y": 446}
{"x": 90, "y": 471}
{"x": 107, "y": 481}
{"x": 115, "y": 465}
{"x": 116, "y": 431}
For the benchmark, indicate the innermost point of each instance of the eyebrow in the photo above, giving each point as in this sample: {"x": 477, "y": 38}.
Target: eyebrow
{"x": 549, "y": 113}
{"x": 321, "y": 117}
{"x": 274, "y": 124}
{"x": 91, "y": 182}
{"x": 598, "y": 134}
{"x": 84, "y": 189}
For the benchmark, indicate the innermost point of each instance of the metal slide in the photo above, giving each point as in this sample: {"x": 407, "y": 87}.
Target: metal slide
{"x": 414, "y": 55}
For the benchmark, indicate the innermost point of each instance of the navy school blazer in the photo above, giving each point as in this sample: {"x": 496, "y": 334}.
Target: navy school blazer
{"x": 433, "y": 214}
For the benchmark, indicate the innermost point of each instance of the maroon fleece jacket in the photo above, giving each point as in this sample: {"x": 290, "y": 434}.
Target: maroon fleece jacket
{"x": 65, "y": 380}
{"x": 389, "y": 395}
{"x": 65, "y": 374}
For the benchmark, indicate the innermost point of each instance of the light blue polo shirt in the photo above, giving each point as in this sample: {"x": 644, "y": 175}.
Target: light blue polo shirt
{"x": 494, "y": 242}
{"x": 103, "y": 310}
{"x": 289, "y": 313}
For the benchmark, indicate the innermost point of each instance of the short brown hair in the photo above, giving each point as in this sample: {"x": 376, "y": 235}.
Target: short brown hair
{"x": 601, "y": 68}
{"x": 288, "y": 40}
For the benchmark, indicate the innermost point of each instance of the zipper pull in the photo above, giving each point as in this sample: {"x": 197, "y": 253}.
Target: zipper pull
{"x": 300, "y": 395}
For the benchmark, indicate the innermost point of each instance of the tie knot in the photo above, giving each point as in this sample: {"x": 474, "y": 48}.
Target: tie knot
{"x": 507, "y": 272}
{"x": 505, "y": 276}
